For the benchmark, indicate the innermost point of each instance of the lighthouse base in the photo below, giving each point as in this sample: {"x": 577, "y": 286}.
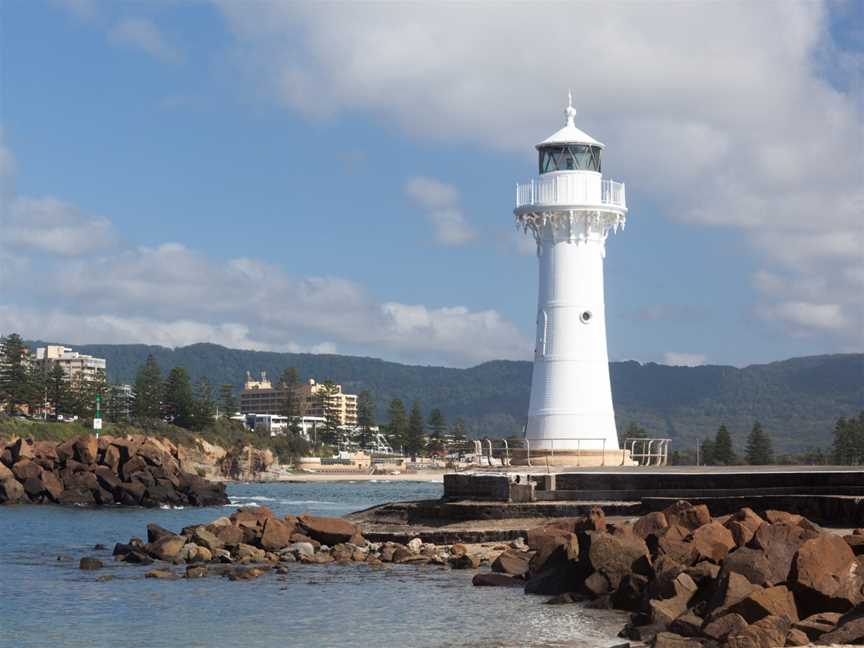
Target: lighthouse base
{"x": 574, "y": 458}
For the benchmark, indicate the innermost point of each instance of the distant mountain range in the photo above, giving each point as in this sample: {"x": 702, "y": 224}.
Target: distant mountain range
{"x": 796, "y": 400}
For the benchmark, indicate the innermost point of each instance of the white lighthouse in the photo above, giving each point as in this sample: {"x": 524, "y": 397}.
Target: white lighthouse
{"x": 570, "y": 209}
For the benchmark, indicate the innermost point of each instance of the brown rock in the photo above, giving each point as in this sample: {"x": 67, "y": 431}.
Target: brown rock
{"x": 156, "y": 532}
{"x": 299, "y": 537}
{"x": 201, "y": 536}
{"x": 849, "y": 630}
{"x": 723, "y": 626}
{"x": 597, "y": 585}
{"x": 512, "y": 562}
{"x": 703, "y": 572}
{"x": 776, "y": 601}
{"x": 107, "y": 479}
{"x": 630, "y": 593}
{"x": 26, "y": 469}
{"x": 741, "y": 533}
{"x": 34, "y": 488}
{"x": 650, "y": 524}
{"x": 672, "y": 640}
{"x": 769, "y": 632}
{"x": 328, "y": 530}
{"x": 779, "y": 543}
{"x": 856, "y": 544}
{"x": 825, "y": 576}
{"x": 488, "y": 579}
{"x": 595, "y": 520}
{"x": 11, "y": 491}
{"x": 858, "y": 532}
{"x": 816, "y": 625}
{"x": 732, "y": 588}
{"x": 86, "y": 449}
{"x": 465, "y": 561}
{"x": 752, "y": 564}
{"x": 166, "y": 547}
{"x": 688, "y": 624}
{"x": 131, "y": 493}
{"x": 245, "y": 573}
{"x": 196, "y": 571}
{"x": 111, "y": 459}
{"x": 686, "y": 515}
{"x": 52, "y": 485}
{"x": 668, "y": 609}
{"x": 134, "y": 466}
{"x": 673, "y": 542}
{"x": 89, "y": 564}
{"x": 797, "y": 638}
{"x": 65, "y": 450}
{"x": 230, "y": 535}
{"x": 712, "y": 542}
{"x": 276, "y": 535}
{"x": 5, "y": 473}
{"x": 551, "y": 546}
{"x": 615, "y": 557}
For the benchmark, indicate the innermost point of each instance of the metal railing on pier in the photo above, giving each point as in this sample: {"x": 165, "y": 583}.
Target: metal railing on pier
{"x": 585, "y": 451}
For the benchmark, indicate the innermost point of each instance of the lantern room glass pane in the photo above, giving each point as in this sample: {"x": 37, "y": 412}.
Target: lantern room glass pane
{"x": 570, "y": 157}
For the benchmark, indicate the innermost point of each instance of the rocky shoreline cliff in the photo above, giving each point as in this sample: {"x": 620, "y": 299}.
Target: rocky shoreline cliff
{"x": 130, "y": 471}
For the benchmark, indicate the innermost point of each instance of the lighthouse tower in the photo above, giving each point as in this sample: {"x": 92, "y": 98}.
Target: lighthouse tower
{"x": 570, "y": 209}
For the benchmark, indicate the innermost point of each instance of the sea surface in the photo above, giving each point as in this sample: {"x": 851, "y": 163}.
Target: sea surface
{"x": 49, "y": 603}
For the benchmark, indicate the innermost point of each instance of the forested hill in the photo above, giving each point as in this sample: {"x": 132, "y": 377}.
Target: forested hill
{"x": 796, "y": 400}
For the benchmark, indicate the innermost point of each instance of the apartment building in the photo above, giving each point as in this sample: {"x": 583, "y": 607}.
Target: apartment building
{"x": 75, "y": 365}
{"x": 261, "y": 397}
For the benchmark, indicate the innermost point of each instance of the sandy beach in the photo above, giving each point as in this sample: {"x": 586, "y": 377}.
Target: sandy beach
{"x": 306, "y": 477}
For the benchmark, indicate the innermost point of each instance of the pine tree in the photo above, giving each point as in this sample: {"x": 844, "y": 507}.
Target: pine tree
{"x": 707, "y": 456}
{"x": 414, "y": 440}
{"x": 227, "y": 400}
{"x": 148, "y": 392}
{"x": 178, "y": 399}
{"x": 289, "y": 383}
{"x": 16, "y": 384}
{"x": 848, "y": 447}
{"x": 724, "y": 453}
{"x": 397, "y": 426}
{"x": 57, "y": 389}
{"x": 204, "y": 408}
{"x": 118, "y": 408}
{"x": 332, "y": 419}
{"x": 365, "y": 417}
{"x": 759, "y": 450}
{"x": 437, "y": 425}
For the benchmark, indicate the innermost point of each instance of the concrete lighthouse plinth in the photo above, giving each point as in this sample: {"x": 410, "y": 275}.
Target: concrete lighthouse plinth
{"x": 570, "y": 209}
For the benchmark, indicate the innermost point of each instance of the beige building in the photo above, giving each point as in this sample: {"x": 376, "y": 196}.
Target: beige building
{"x": 261, "y": 397}
{"x": 75, "y": 365}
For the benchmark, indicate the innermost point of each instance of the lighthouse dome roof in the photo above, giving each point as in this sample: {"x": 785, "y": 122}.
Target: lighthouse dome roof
{"x": 570, "y": 134}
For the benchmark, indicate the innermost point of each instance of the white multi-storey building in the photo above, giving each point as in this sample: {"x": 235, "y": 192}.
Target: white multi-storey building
{"x": 75, "y": 365}
{"x": 570, "y": 210}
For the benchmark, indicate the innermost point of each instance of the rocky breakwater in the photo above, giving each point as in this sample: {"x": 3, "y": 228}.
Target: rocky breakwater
{"x": 134, "y": 471}
{"x": 691, "y": 580}
{"x": 254, "y": 541}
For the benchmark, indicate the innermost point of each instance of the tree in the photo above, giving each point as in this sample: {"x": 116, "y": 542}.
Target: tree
{"x": 365, "y": 417}
{"x": 118, "y": 407}
{"x": 57, "y": 389}
{"x": 437, "y": 424}
{"x": 291, "y": 403}
{"x": 179, "y": 402}
{"x": 227, "y": 400}
{"x": 848, "y": 447}
{"x": 759, "y": 450}
{"x": 16, "y": 383}
{"x": 204, "y": 408}
{"x": 148, "y": 391}
{"x": 632, "y": 431}
{"x": 414, "y": 440}
{"x": 332, "y": 416}
{"x": 724, "y": 453}
{"x": 706, "y": 452}
{"x": 397, "y": 425}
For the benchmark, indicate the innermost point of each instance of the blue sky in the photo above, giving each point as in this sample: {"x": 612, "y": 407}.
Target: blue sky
{"x": 340, "y": 177}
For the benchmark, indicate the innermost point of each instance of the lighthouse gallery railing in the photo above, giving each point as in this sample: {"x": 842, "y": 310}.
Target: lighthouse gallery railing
{"x": 569, "y": 190}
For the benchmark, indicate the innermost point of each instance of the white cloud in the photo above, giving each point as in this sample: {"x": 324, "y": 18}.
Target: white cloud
{"x": 94, "y": 289}
{"x": 143, "y": 35}
{"x": 675, "y": 359}
{"x": 440, "y": 201}
{"x": 702, "y": 114}
{"x": 49, "y": 225}
{"x": 86, "y": 10}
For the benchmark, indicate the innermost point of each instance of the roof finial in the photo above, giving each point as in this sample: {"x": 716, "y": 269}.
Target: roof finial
{"x": 570, "y": 111}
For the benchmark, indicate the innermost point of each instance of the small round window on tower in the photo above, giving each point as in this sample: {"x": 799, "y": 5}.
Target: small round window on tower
{"x": 585, "y": 316}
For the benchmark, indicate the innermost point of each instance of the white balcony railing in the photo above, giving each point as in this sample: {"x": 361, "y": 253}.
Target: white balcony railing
{"x": 567, "y": 189}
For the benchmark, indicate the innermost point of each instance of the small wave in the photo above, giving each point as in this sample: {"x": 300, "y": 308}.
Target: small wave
{"x": 174, "y": 508}
{"x": 254, "y": 498}
{"x": 236, "y": 503}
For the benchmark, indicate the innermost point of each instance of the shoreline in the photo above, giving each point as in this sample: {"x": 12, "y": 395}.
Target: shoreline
{"x": 435, "y": 476}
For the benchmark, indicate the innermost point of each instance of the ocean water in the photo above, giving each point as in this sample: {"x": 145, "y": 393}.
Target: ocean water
{"x": 51, "y": 603}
